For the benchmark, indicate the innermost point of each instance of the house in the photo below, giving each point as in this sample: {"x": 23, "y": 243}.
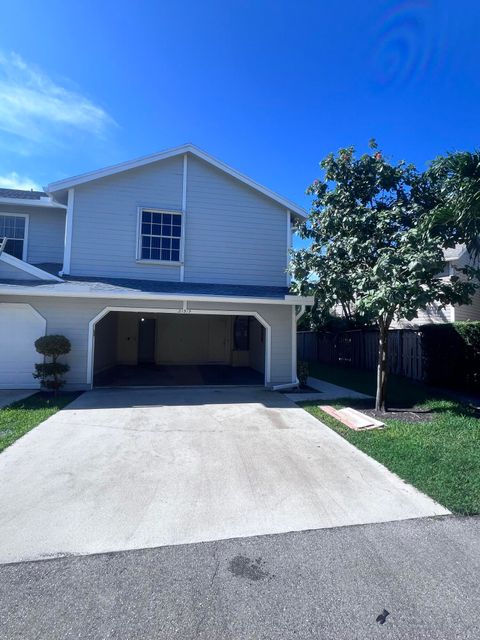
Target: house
{"x": 456, "y": 258}
{"x": 168, "y": 269}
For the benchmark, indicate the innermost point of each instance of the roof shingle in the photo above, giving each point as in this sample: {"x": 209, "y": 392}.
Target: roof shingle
{"x": 22, "y": 194}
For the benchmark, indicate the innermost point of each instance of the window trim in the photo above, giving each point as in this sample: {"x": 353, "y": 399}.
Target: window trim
{"x": 25, "y": 237}
{"x": 138, "y": 254}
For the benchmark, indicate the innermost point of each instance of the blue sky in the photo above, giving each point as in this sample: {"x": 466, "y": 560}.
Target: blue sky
{"x": 268, "y": 87}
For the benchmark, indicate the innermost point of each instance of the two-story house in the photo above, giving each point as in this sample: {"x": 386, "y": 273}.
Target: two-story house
{"x": 165, "y": 270}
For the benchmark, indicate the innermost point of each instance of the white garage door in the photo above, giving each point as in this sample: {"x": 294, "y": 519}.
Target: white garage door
{"x": 20, "y": 326}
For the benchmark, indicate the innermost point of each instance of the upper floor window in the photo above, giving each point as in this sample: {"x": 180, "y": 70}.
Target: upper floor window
{"x": 160, "y": 233}
{"x": 14, "y": 228}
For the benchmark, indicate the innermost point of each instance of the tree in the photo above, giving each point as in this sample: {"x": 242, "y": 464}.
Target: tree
{"x": 455, "y": 179}
{"x": 50, "y": 373}
{"x": 372, "y": 247}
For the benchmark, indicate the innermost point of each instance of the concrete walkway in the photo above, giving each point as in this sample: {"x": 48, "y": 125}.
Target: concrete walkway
{"x": 7, "y": 396}
{"x": 325, "y": 391}
{"x": 126, "y": 469}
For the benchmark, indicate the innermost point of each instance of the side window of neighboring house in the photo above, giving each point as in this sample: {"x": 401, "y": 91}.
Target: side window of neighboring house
{"x": 14, "y": 228}
{"x": 160, "y": 233}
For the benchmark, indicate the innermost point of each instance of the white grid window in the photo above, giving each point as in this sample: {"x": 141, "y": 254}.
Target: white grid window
{"x": 160, "y": 233}
{"x": 14, "y": 229}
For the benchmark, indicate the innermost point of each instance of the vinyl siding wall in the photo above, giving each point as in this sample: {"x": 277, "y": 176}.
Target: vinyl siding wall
{"x": 105, "y": 221}
{"x": 46, "y": 232}
{"x": 71, "y": 317}
{"x": 233, "y": 234}
{"x": 468, "y": 311}
{"x": 431, "y": 315}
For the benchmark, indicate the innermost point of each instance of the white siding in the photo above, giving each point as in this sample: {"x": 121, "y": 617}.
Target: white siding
{"x": 233, "y": 233}
{"x": 468, "y": 311}
{"x": 431, "y": 315}
{"x": 105, "y": 221}
{"x": 46, "y": 232}
{"x": 71, "y": 316}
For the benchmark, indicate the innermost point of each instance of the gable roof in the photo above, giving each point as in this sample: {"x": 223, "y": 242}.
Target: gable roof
{"x": 68, "y": 183}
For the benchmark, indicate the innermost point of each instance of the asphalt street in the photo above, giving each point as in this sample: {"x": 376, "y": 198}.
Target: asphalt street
{"x": 410, "y": 580}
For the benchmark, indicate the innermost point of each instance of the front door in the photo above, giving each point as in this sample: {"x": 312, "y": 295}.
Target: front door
{"x": 146, "y": 340}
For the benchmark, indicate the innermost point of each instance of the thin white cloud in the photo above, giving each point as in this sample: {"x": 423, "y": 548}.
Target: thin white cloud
{"x": 13, "y": 181}
{"x": 35, "y": 108}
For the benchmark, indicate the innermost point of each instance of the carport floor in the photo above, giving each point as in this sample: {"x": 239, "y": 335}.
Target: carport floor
{"x": 151, "y": 375}
{"x": 133, "y": 468}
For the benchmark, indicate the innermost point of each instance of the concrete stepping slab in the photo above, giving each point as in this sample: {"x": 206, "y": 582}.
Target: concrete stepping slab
{"x": 352, "y": 419}
{"x": 333, "y": 391}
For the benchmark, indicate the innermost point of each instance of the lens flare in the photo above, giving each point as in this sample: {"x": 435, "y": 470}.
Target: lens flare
{"x": 403, "y": 43}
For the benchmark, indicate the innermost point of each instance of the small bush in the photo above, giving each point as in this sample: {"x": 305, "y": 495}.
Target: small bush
{"x": 451, "y": 354}
{"x": 50, "y": 373}
{"x": 302, "y": 372}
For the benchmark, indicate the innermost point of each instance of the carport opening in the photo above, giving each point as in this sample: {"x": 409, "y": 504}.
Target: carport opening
{"x": 165, "y": 349}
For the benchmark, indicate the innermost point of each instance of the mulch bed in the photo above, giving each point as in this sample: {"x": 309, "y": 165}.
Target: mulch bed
{"x": 407, "y": 415}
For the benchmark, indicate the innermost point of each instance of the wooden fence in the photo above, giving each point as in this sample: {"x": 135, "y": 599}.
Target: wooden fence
{"x": 359, "y": 349}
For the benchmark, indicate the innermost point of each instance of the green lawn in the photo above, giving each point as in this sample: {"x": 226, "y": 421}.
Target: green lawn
{"x": 18, "y": 418}
{"x": 440, "y": 456}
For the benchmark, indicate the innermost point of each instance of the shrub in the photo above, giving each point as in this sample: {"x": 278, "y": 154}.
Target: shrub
{"x": 49, "y": 373}
{"x": 451, "y": 354}
{"x": 302, "y": 372}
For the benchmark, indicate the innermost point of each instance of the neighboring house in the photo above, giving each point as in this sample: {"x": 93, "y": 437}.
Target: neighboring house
{"x": 456, "y": 259}
{"x": 169, "y": 269}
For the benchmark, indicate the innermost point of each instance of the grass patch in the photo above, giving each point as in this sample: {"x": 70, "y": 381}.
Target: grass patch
{"x": 440, "y": 456}
{"x": 18, "y": 418}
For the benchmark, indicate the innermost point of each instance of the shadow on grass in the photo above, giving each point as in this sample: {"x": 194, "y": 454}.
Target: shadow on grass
{"x": 403, "y": 395}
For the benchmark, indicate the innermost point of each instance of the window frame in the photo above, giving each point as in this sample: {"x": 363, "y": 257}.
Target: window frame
{"x": 25, "y": 237}
{"x": 138, "y": 254}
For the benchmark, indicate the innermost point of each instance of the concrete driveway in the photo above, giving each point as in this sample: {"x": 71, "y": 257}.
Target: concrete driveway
{"x": 128, "y": 469}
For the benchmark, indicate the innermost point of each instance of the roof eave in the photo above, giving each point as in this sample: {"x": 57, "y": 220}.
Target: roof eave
{"x": 64, "y": 291}
{"x": 27, "y": 202}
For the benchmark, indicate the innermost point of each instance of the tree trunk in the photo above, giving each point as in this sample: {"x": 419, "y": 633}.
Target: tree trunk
{"x": 382, "y": 367}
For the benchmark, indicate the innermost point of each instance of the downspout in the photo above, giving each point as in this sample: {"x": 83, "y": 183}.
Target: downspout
{"x": 279, "y": 387}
